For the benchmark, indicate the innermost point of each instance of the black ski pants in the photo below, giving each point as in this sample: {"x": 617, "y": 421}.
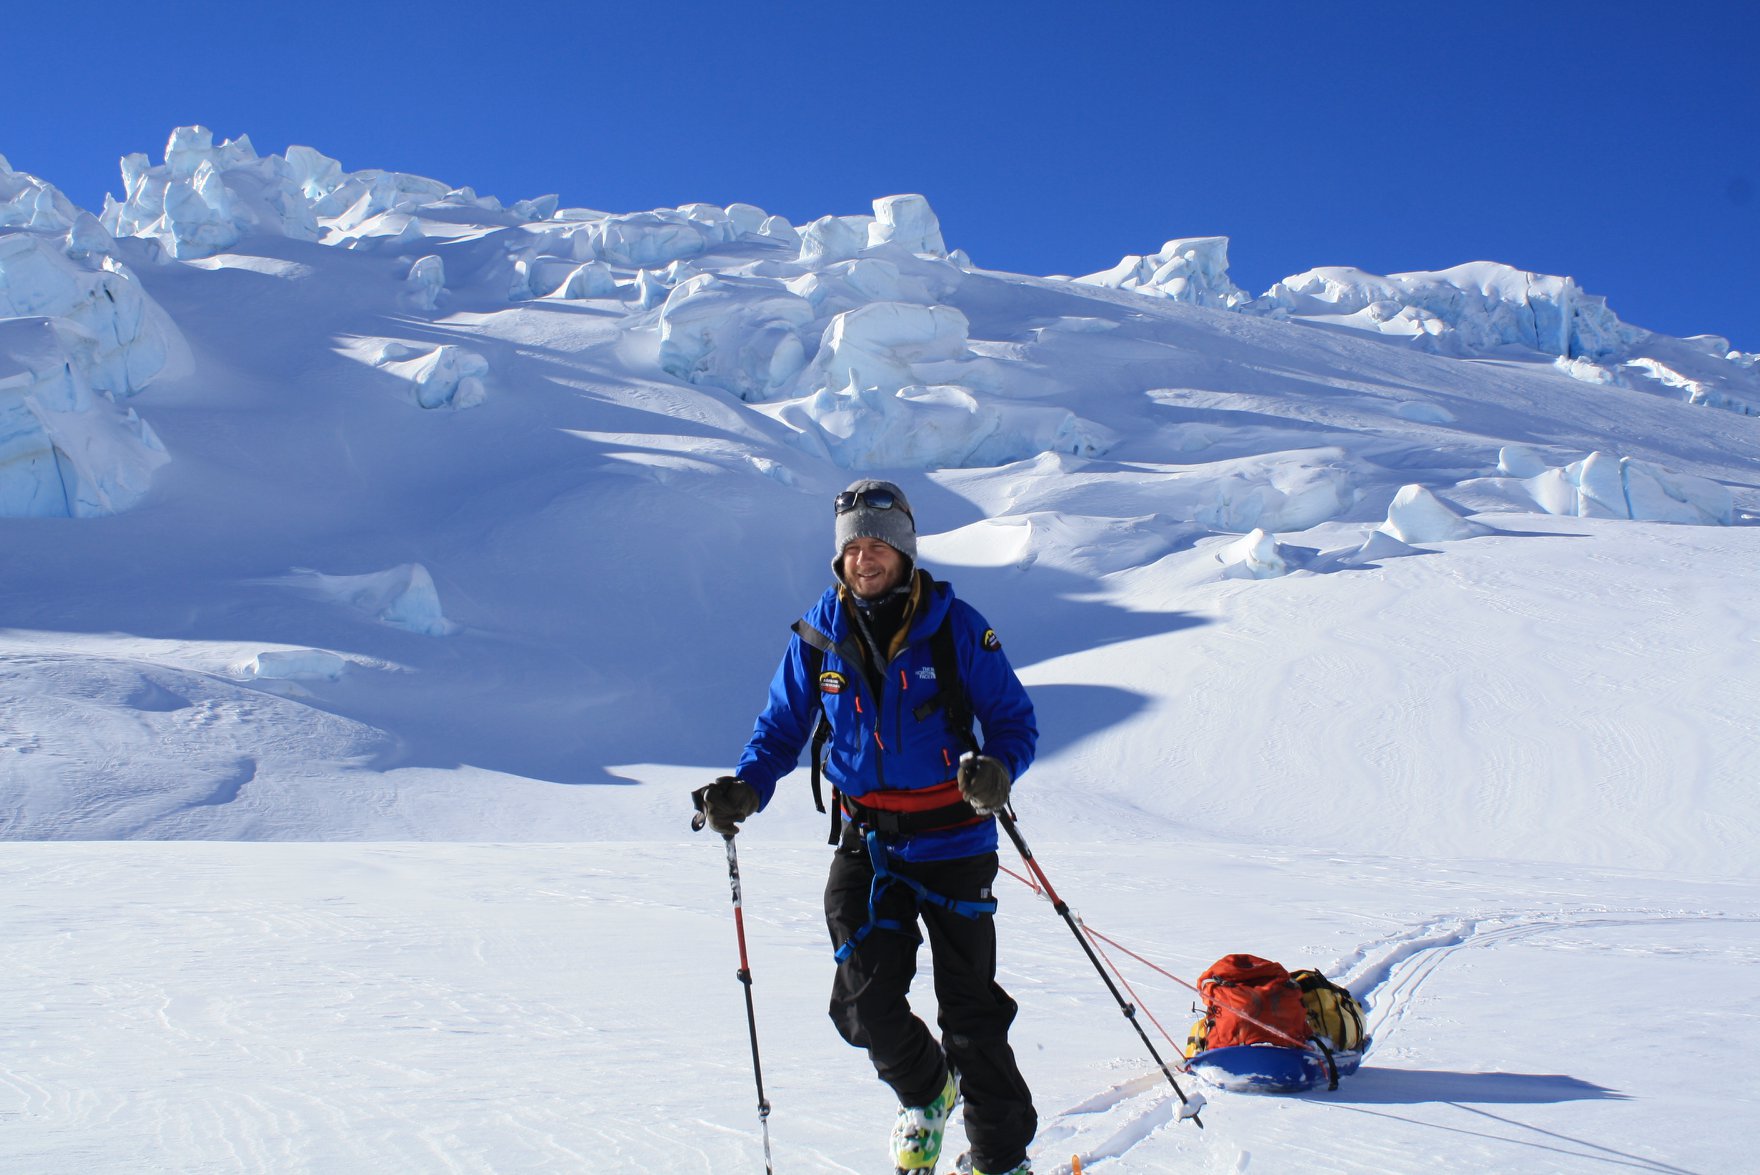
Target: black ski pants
{"x": 870, "y": 996}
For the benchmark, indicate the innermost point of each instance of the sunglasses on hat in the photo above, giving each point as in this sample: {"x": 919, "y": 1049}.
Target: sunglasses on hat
{"x": 874, "y": 499}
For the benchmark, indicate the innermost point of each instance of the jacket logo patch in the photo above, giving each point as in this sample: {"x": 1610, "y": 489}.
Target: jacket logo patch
{"x": 832, "y": 683}
{"x": 926, "y": 673}
{"x": 992, "y": 641}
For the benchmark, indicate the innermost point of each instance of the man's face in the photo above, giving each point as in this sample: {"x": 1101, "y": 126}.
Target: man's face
{"x": 871, "y": 568}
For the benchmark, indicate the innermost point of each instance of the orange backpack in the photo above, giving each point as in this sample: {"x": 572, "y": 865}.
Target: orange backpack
{"x": 1249, "y": 1000}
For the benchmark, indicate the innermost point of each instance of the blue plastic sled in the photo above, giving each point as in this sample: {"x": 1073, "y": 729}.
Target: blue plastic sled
{"x": 1269, "y": 1068}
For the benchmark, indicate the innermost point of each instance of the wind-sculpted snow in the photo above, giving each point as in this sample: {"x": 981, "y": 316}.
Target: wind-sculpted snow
{"x": 76, "y": 336}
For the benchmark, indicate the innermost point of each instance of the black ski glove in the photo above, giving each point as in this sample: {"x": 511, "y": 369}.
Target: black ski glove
{"x": 984, "y": 782}
{"x": 724, "y": 803}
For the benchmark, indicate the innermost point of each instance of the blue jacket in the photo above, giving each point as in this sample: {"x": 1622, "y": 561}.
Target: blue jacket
{"x": 879, "y": 744}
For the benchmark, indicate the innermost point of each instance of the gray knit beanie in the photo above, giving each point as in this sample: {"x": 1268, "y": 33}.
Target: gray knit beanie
{"x": 895, "y": 527}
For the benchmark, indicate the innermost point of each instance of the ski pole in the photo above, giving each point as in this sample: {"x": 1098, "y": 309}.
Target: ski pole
{"x": 745, "y": 978}
{"x": 1191, "y": 1106}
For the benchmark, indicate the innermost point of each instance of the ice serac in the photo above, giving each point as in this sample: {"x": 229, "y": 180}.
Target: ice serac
{"x": 652, "y": 240}
{"x": 131, "y": 338}
{"x": 845, "y": 285}
{"x": 941, "y": 426}
{"x": 1257, "y": 555}
{"x": 66, "y": 449}
{"x": 29, "y": 202}
{"x": 909, "y": 222}
{"x": 1520, "y": 461}
{"x": 1702, "y": 370}
{"x": 296, "y": 665}
{"x": 1470, "y": 309}
{"x": 402, "y": 597}
{"x": 1418, "y": 516}
{"x": 205, "y": 198}
{"x": 425, "y": 283}
{"x": 831, "y": 239}
{"x": 447, "y": 376}
{"x": 743, "y": 335}
{"x": 885, "y": 388}
{"x": 1274, "y": 492}
{"x": 1189, "y": 269}
{"x": 589, "y": 279}
{"x": 891, "y": 345}
{"x": 76, "y": 337}
{"x": 1604, "y": 485}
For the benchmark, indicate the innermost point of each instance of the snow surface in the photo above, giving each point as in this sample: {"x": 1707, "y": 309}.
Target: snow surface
{"x": 463, "y": 536}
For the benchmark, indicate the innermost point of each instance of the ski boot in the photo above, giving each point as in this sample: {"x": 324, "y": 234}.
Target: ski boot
{"x": 964, "y": 1167}
{"x": 916, "y": 1135}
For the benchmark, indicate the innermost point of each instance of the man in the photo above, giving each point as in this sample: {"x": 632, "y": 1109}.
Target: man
{"x": 918, "y": 842}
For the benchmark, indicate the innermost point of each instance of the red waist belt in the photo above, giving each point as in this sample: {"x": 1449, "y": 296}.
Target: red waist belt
{"x": 912, "y": 809}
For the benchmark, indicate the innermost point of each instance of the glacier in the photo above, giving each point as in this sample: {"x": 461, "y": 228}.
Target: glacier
{"x": 448, "y": 543}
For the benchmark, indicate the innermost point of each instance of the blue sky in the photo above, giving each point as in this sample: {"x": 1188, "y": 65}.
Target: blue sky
{"x": 1615, "y": 142}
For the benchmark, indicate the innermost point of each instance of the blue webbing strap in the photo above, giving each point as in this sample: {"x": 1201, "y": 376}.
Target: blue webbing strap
{"x": 883, "y": 877}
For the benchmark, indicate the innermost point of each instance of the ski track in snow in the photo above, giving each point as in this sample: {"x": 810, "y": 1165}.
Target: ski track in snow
{"x": 508, "y": 1008}
{"x": 1386, "y": 975}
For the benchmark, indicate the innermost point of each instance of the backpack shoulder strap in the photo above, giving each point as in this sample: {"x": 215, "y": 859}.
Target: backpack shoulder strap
{"x": 950, "y": 690}
{"x": 815, "y": 643}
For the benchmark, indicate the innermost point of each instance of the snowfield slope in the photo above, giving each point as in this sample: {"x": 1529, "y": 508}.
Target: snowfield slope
{"x": 1362, "y": 636}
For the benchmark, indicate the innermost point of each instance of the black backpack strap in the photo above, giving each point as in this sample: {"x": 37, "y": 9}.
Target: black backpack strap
{"x": 950, "y": 690}
{"x": 1331, "y": 1064}
{"x": 816, "y": 643}
{"x": 950, "y": 697}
